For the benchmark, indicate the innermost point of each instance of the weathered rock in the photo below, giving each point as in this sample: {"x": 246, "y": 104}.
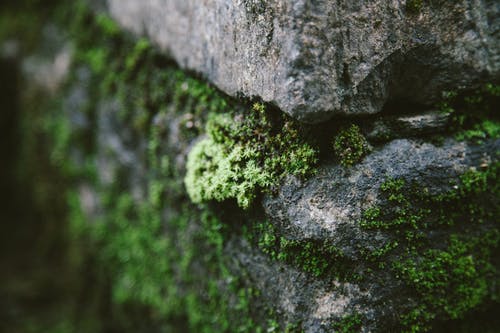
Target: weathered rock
{"x": 47, "y": 71}
{"x": 158, "y": 248}
{"x": 317, "y": 59}
{"x": 295, "y": 296}
{"x": 391, "y": 127}
{"x": 330, "y": 207}
{"x": 331, "y": 202}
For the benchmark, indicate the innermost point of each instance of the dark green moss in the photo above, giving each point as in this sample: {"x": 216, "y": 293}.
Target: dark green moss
{"x": 350, "y": 146}
{"x": 452, "y": 280}
{"x": 318, "y": 258}
{"x": 414, "y": 6}
{"x": 474, "y": 115}
{"x": 348, "y": 324}
{"x": 459, "y": 274}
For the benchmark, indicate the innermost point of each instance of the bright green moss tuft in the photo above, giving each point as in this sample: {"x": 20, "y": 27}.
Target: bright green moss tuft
{"x": 217, "y": 174}
{"x": 243, "y": 154}
{"x": 350, "y": 146}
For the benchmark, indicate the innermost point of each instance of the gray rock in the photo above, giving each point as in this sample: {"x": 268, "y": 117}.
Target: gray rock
{"x": 329, "y": 207}
{"x": 51, "y": 65}
{"x": 391, "y": 127}
{"x": 330, "y": 204}
{"x": 314, "y": 59}
{"x": 293, "y": 294}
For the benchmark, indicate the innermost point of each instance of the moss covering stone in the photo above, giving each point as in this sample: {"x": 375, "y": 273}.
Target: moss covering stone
{"x": 244, "y": 154}
{"x": 414, "y": 6}
{"x": 350, "y": 145}
{"x": 248, "y": 150}
{"x": 458, "y": 276}
{"x": 316, "y": 257}
{"x": 143, "y": 264}
{"x": 144, "y": 252}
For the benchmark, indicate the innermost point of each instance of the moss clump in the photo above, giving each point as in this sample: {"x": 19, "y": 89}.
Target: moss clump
{"x": 452, "y": 280}
{"x": 442, "y": 246}
{"x": 245, "y": 153}
{"x": 414, "y": 6}
{"x": 350, "y": 146}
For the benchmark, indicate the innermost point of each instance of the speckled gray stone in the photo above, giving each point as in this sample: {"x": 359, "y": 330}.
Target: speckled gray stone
{"x": 314, "y": 59}
{"x": 329, "y": 207}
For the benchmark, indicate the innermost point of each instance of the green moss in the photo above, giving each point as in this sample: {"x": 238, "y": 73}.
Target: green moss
{"x": 348, "y": 324}
{"x": 106, "y": 25}
{"x": 459, "y": 273}
{"x": 316, "y": 257}
{"x": 414, "y": 6}
{"x": 473, "y": 113}
{"x": 350, "y": 146}
{"x": 294, "y": 328}
{"x": 134, "y": 251}
{"x": 481, "y": 131}
{"x": 452, "y": 280}
{"x": 226, "y": 305}
{"x": 243, "y": 154}
{"x": 147, "y": 248}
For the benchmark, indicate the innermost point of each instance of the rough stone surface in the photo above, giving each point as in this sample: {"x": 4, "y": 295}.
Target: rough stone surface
{"x": 329, "y": 207}
{"x": 314, "y": 59}
{"x": 330, "y": 204}
{"x": 288, "y": 65}
{"x": 407, "y": 126}
{"x": 294, "y": 295}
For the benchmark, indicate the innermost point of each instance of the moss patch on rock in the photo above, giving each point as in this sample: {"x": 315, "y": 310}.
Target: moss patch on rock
{"x": 245, "y": 153}
{"x": 350, "y": 146}
{"x": 474, "y": 114}
{"x": 148, "y": 246}
{"x": 414, "y": 6}
{"x": 316, "y": 257}
{"x": 450, "y": 280}
{"x": 144, "y": 252}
